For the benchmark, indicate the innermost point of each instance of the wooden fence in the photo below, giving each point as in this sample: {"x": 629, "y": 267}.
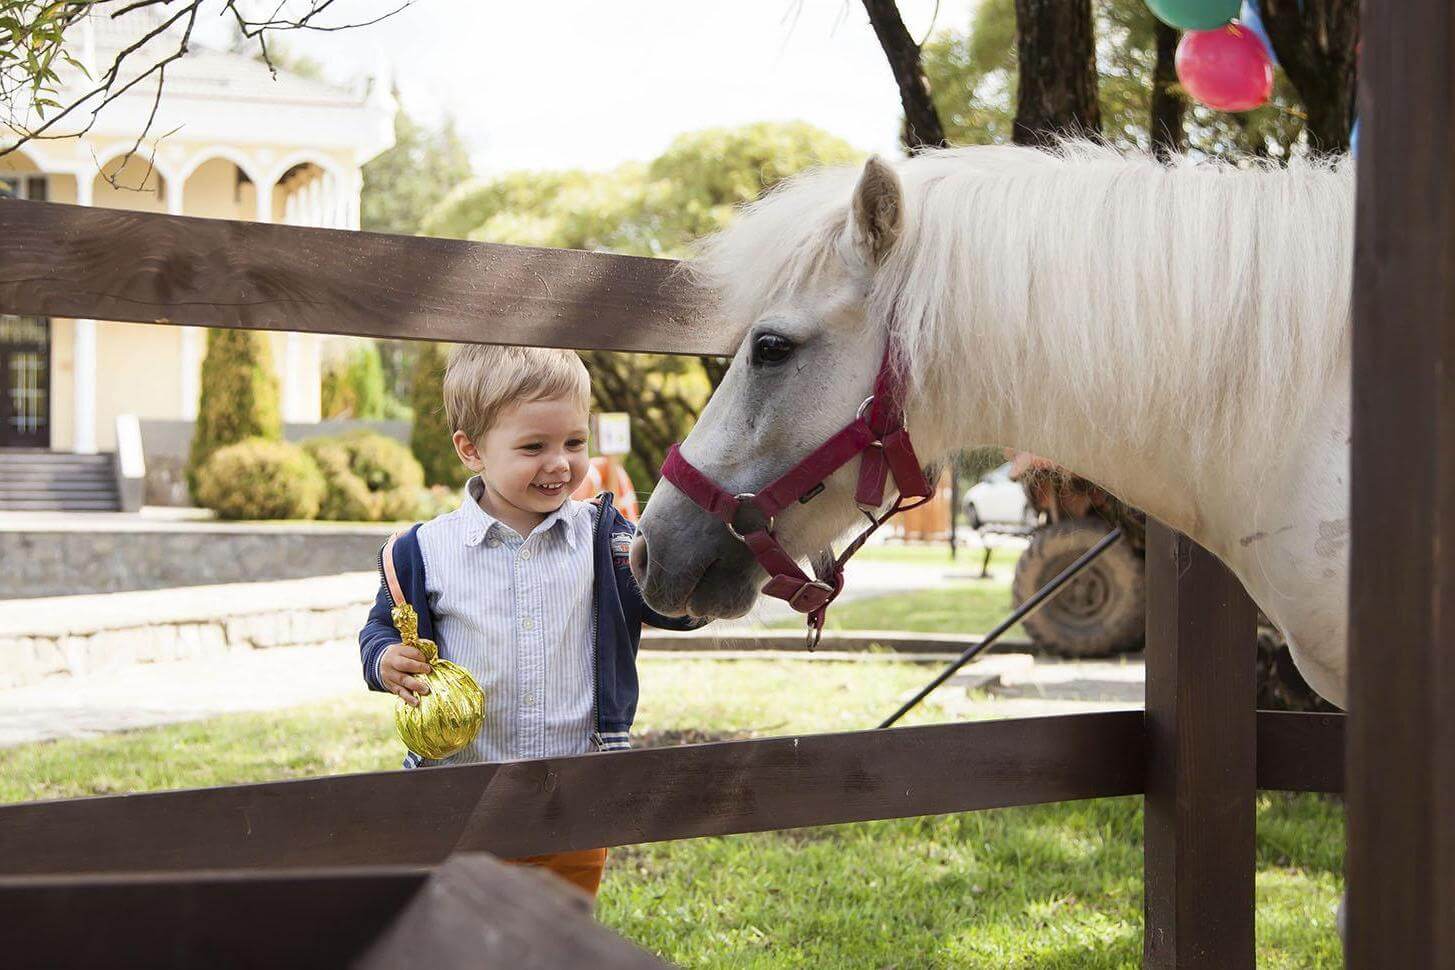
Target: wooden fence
{"x": 353, "y": 868}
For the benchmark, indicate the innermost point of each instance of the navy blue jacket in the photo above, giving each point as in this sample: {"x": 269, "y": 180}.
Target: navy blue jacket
{"x": 620, "y": 613}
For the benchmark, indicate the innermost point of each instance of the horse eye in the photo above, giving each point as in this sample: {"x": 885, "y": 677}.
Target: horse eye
{"x": 771, "y": 348}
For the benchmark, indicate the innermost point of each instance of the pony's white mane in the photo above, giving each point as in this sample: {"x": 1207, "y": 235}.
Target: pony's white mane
{"x": 1201, "y": 303}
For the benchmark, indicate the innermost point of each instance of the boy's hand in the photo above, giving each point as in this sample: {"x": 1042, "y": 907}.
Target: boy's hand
{"x": 395, "y": 668}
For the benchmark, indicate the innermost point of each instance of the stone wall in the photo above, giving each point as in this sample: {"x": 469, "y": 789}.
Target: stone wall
{"x": 86, "y": 635}
{"x": 96, "y": 558}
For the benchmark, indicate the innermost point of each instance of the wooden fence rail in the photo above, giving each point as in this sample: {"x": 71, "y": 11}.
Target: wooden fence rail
{"x": 110, "y": 264}
{"x": 470, "y": 911}
{"x": 531, "y": 807}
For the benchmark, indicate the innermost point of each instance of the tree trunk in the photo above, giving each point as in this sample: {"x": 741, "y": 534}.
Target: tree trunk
{"x": 1169, "y": 135}
{"x": 1055, "y": 46}
{"x": 922, "y": 128}
{"x": 1316, "y": 46}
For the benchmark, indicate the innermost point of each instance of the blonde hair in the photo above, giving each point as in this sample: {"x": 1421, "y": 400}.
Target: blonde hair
{"x": 483, "y": 380}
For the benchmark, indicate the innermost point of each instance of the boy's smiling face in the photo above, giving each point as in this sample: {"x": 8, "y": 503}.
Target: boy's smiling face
{"x": 531, "y": 460}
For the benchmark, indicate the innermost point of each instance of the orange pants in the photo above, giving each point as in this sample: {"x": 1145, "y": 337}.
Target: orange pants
{"x": 581, "y": 869}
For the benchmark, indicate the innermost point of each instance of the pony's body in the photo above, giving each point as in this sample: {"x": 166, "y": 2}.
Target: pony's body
{"x": 1178, "y": 335}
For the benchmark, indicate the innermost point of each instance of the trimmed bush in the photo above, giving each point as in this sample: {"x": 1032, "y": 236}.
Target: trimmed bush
{"x": 346, "y": 498}
{"x": 239, "y": 397}
{"x": 261, "y": 479}
{"x": 430, "y": 436}
{"x": 369, "y": 477}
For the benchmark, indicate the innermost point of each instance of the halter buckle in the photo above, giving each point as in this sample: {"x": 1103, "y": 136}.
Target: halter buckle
{"x": 817, "y": 585}
{"x": 746, "y": 498}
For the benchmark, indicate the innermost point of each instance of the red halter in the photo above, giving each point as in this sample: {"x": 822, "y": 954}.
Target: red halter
{"x": 878, "y": 434}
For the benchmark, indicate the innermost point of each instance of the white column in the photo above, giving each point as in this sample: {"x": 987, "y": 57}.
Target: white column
{"x": 289, "y": 377}
{"x": 315, "y": 201}
{"x": 353, "y": 201}
{"x": 83, "y": 374}
{"x": 265, "y": 202}
{"x": 84, "y": 353}
{"x": 192, "y": 339}
{"x": 340, "y": 187}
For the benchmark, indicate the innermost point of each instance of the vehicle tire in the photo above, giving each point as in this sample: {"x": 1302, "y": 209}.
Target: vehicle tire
{"x": 1102, "y": 611}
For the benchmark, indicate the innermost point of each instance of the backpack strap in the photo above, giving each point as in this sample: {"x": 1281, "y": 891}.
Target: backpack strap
{"x": 391, "y": 576}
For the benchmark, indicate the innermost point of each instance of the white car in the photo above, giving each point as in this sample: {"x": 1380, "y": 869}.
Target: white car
{"x": 997, "y": 500}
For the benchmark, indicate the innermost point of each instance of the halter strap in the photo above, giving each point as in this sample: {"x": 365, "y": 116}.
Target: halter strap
{"x": 877, "y": 434}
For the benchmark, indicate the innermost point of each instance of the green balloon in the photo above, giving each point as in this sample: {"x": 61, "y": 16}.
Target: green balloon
{"x": 1194, "y": 14}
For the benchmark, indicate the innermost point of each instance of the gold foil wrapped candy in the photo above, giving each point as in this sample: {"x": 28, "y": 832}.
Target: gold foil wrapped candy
{"x": 449, "y": 716}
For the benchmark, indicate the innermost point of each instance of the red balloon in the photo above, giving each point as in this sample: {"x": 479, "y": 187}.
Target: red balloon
{"x": 1227, "y": 69}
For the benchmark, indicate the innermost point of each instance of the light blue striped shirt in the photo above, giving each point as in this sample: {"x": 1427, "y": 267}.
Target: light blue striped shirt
{"x": 518, "y": 614}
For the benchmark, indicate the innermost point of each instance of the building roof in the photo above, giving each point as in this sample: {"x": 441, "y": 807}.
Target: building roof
{"x": 203, "y": 71}
{"x": 212, "y": 100}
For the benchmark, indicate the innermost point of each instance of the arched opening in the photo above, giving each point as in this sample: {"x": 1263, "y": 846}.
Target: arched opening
{"x": 130, "y": 181}
{"x": 22, "y": 177}
{"x": 307, "y": 194}
{"x": 220, "y": 188}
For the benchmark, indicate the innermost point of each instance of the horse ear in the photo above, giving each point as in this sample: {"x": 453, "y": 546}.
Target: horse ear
{"x": 878, "y": 211}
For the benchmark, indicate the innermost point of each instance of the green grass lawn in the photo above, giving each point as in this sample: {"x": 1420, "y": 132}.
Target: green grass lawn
{"x": 933, "y": 554}
{"x": 967, "y": 606}
{"x": 1046, "y": 887}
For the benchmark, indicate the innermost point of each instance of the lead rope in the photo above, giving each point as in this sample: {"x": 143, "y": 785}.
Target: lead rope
{"x": 836, "y": 565}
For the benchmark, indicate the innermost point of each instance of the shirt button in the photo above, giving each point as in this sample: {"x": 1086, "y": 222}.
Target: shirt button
{"x": 492, "y": 543}
{"x": 530, "y": 697}
{"x": 527, "y": 624}
{"x": 525, "y": 554}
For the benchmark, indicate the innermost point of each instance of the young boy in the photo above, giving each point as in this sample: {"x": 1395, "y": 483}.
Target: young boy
{"x": 523, "y": 587}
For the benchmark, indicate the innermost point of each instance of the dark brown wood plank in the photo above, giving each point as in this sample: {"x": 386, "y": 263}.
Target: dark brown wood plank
{"x": 1300, "y": 752}
{"x": 473, "y": 911}
{"x": 1202, "y": 760}
{"x": 1401, "y": 763}
{"x": 110, "y": 264}
{"x": 203, "y": 919}
{"x": 530, "y": 807}
{"x": 476, "y": 912}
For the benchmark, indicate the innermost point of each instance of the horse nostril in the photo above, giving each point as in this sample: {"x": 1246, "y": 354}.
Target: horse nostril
{"x": 638, "y": 558}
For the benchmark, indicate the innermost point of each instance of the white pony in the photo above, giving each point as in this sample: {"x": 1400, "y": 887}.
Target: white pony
{"x": 1179, "y": 335}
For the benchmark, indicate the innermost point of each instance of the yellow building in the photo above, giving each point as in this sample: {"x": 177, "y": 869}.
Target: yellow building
{"x": 237, "y": 142}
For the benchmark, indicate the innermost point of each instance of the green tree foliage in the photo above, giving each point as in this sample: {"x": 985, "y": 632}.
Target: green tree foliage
{"x": 657, "y": 209}
{"x": 429, "y": 439}
{"x": 408, "y": 180}
{"x": 239, "y": 396}
{"x": 973, "y": 77}
{"x": 353, "y": 387}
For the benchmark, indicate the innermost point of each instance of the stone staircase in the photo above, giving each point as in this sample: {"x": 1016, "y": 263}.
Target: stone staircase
{"x": 50, "y": 481}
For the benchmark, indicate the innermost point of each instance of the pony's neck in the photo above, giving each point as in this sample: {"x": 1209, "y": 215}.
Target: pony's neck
{"x": 1154, "y": 476}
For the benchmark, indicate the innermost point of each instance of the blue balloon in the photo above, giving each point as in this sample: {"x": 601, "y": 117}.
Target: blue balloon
{"x": 1354, "y": 139}
{"x": 1251, "y": 16}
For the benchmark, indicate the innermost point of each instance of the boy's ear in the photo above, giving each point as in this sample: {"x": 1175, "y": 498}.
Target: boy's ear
{"x": 468, "y": 454}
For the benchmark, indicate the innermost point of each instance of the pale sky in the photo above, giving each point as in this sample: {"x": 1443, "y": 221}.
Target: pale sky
{"x": 592, "y": 83}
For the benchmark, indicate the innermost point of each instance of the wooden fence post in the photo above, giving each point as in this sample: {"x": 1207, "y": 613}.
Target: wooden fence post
{"x": 1202, "y": 760}
{"x": 1401, "y": 745}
